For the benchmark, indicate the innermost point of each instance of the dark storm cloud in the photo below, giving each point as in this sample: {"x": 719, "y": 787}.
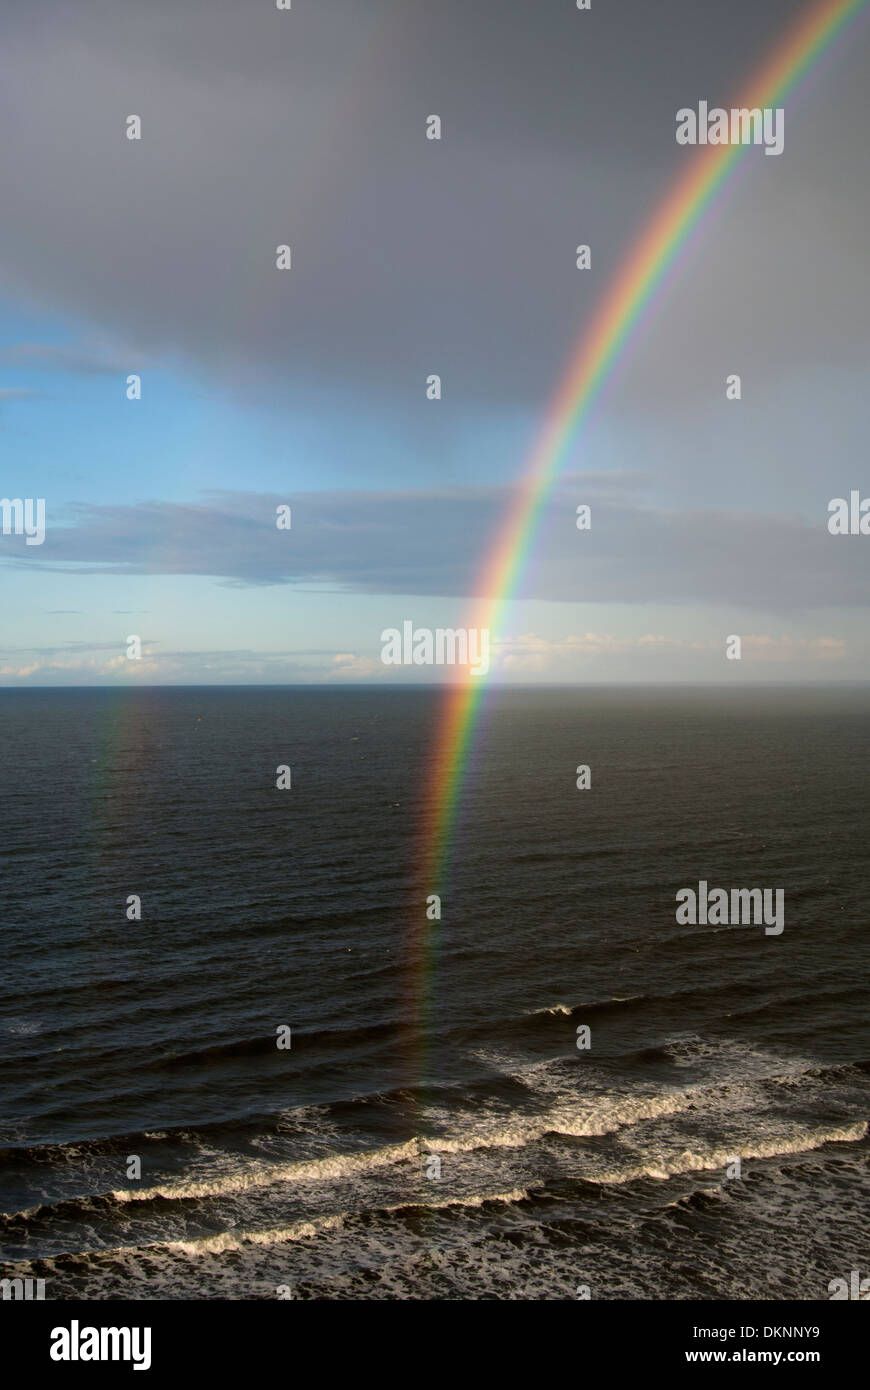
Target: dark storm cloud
{"x": 262, "y": 127}
{"x": 432, "y": 543}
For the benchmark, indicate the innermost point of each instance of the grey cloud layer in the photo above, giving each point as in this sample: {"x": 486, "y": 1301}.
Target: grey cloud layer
{"x": 262, "y": 127}
{"x": 434, "y": 543}
{"x": 51, "y": 357}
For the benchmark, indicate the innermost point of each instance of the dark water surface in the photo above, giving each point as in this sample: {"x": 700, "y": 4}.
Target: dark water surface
{"x": 308, "y": 1167}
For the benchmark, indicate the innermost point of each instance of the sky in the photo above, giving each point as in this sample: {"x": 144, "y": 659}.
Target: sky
{"x": 306, "y": 388}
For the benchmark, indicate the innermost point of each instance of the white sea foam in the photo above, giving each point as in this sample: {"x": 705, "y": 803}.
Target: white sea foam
{"x": 689, "y": 1161}
{"x": 237, "y": 1238}
{"x": 336, "y": 1166}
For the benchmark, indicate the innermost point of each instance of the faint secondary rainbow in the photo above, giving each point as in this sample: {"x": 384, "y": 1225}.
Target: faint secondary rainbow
{"x": 597, "y": 352}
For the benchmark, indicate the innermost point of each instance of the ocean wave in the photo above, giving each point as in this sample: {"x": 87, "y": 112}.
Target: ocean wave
{"x": 304, "y": 1229}
{"x": 335, "y": 1166}
{"x": 690, "y": 1161}
{"x": 596, "y": 1006}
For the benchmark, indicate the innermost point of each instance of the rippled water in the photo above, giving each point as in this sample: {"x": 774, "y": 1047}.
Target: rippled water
{"x": 317, "y": 1168}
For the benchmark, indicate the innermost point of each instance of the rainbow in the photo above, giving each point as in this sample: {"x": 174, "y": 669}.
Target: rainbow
{"x": 598, "y": 350}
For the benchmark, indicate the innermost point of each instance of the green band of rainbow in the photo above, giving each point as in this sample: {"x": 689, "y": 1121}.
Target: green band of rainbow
{"x": 598, "y": 350}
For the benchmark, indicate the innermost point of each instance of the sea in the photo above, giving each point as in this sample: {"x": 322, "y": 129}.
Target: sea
{"x": 237, "y": 1061}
